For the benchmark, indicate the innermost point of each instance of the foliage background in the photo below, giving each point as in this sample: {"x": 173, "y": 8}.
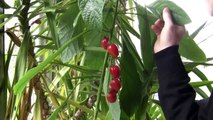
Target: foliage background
{"x": 64, "y": 87}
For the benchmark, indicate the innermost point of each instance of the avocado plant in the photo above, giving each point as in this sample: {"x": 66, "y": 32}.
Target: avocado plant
{"x": 77, "y": 60}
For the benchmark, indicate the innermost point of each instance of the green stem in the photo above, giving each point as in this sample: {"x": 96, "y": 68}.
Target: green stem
{"x": 95, "y": 49}
{"x": 52, "y": 97}
{"x": 77, "y": 105}
{"x": 101, "y": 85}
{"x": 114, "y": 20}
{"x": 104, "y": 66}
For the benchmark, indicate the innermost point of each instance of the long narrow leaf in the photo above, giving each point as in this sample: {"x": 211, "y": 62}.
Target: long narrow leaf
{"x": 18, "y": 88}
{"x": 200, "y": 84}
{"x": 14, "y": 14}
{"x": 146, "y": 38}
{"x": 52, "y": 24}
{"x": 194, "y": 34}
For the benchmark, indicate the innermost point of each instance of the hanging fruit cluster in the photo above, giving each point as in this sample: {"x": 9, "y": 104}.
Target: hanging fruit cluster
{"x": 115, "y": 84}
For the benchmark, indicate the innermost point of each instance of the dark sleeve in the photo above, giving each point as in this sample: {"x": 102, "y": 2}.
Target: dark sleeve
{"x": 176, "y": 96}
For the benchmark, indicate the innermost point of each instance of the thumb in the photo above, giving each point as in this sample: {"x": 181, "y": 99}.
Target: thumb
{"x": 167, "y": 17}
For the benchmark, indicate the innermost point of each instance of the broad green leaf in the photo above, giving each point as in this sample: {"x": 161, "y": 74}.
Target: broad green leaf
{"x": 190, "y": 50}
{"x": 146, "y": 38}
{"x": 115, "y": 110}
{"x": 93, "y": 38}
{"x": 3, "y": 4}
{"x": 142, "y": 110}
{"x": 69, "y": 26}
{"x": 179, "y": 15}
{"x": 131, "y": 48}
{"x": 19, "y": 87}
{"x": 131, "y": 92}
{"x": 92, "y": 13}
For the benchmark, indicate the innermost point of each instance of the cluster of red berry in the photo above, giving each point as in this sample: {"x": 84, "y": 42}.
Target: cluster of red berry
{"x": 115, "y": 84}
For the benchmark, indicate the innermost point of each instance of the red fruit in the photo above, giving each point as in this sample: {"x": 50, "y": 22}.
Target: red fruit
{"x": 38, "y": 21}
{"x": 115, "y": 71}
{"x": 104, "y": 42}
{"x": 115, "y": 85}
{"x": 113, "y": 50}
{"x": 111, "y": 97}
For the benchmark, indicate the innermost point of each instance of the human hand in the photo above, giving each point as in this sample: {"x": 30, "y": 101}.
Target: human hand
{"x": 168, "y": 34}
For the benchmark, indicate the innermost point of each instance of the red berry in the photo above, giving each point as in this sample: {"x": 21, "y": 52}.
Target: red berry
{"x": 38, "y": 21}
{"x": 115, "y": 85}
{"x": 113, "y": 50}
{"x": 115, "y": 71}
{"x": 104, "y": 42}
{"x": 111, "y": 97}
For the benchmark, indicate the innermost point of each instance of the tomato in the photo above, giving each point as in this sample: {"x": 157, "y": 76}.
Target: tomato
{"x": 104, "y": 42}
{"x": 113, "y": 50}
{"x": 115, "y": 85}
{"x": 111, "y": 97}
{"x": 115, "y": 71}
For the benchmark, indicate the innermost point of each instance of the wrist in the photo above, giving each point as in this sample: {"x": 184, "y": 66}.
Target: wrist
{"x": 159, "y": 47}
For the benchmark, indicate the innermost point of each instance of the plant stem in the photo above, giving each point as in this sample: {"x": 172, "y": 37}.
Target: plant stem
{"x": 101, "y": 85}
{"x": 52, "y": 97}
{"x": 3, "y": 80}
{"x": 104, "y": 66}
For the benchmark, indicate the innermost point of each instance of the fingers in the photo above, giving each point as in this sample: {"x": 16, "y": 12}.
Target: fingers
{"x": 158, "y": 26}
{"x": 167, "y": 17}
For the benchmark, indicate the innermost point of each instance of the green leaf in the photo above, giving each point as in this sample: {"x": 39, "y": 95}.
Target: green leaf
{"x": 19, "y": 87}
{"x": 126, "y": 24}
{"x": 179, "y": 15}
{"x": 17, "y": 11}
{"x": 108, "y": 116}
{"x": 201, "y": 92}
{"x": 21, "y": 62}
{"x": 54, "y": 115}
{"x": 190, "y": 50}
{"x": 4, "y": 4}
{"x": 194, "y": 34}
{"x": 203, "y": 77}
{"x": 200, "y": 84}
{"x": 2, "y": 16}
{"x": 52, "y": 25}
{"x": 92, "y": 14}
{"x": 131, "y": 48}
{"x": 69, "y": 26}
{"x": 93, "y": 39}
{"x": 131, "y": 92}
{"x": 37, "y": 109}
{"x": 146, "y": 38}
{"x": 141, "y": 112}
{"x": 115, "y": 110}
